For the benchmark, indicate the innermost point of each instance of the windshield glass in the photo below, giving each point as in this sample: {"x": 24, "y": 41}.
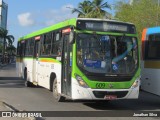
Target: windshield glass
{"x": 107, "y": 54}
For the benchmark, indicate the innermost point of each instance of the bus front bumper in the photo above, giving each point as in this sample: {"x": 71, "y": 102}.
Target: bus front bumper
{"x": 81, "y": 93}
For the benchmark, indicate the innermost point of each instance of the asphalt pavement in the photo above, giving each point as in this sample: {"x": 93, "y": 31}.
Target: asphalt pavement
{"x": 12, "y": 98}
{"x": 11, "y": 79}
{"x": 6, "y": 109}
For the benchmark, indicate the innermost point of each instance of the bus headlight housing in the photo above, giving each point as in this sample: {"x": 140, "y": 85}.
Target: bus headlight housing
{"x": 136, "y": 83}
{"x": 81, "y": 81}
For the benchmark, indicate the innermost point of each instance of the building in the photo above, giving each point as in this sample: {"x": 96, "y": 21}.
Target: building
{"x": 3, "y": 14}
{"x": 3, "y": 20}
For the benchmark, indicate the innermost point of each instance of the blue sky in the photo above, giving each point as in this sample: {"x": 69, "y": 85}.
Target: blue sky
{"x": 26, "y": 16}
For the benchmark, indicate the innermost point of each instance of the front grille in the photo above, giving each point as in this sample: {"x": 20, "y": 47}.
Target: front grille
{"x": 102, "y": 94}
{"x": 110, "y": 78}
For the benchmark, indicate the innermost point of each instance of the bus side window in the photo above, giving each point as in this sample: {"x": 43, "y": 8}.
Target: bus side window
{"x": 53, "y": 41}
{"x": 57, "y": 36}
{"x": 31, "y": 46}
{"x": 57, "y": 48}
{"x": 46, "y": 44}
{"x": 27, "y": 47}
{"x": 49, "y": 42}
{"x": 22, "y": 48}
{"x": 43, "y": 45}
{"x": 18, "y": 49}
{"x": 56, "y": 45}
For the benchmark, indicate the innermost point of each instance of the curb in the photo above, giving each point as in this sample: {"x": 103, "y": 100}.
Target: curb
{"x": 11, "y": 108}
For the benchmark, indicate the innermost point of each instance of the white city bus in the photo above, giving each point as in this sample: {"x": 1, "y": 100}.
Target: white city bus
{"x": 91, "y": 59}
{"x": 150, "y": 65}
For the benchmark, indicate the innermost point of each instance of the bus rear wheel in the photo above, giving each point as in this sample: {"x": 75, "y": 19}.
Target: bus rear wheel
{"x": 26, "y": 83}
{"x": 56, "y": 95}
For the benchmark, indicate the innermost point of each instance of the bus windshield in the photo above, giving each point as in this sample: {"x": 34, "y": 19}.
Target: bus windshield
{"x": 107, "y": 54}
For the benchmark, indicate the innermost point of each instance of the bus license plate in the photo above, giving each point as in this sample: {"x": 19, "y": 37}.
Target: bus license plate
{"x": 110, "y": 97}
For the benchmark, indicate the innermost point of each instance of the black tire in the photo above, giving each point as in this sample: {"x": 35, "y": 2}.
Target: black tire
{"x": 26, "y": 83}
{"x": 56, "y": 95}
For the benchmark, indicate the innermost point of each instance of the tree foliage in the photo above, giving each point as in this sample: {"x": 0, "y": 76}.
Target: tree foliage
{"x": 92, "y": 9}
{"x": 1, "y": 48}
{"x": 84, "y": 8}
{"x": 8, "y": 39}
{"x": 11, "y": 50}
{"x": 143, "y": 13}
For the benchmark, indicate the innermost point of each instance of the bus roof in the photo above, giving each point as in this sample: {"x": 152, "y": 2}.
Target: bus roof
{"x": 64, "y": 24}
{"x": 152, "y": 30}
{"x": 96, "y": 19}
{"x": 50, "y": 28}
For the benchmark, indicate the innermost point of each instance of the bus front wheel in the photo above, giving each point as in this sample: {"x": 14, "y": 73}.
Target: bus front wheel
{"x": 56, "y": 95}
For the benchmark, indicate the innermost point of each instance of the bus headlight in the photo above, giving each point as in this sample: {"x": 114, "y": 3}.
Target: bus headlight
{"x": 136, "y": 83}
{"x": 81, "y": 81}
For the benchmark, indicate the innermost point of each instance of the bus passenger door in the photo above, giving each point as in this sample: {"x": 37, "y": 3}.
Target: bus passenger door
{"x": 35, "y": 61}
{"x": 66, "y": 66}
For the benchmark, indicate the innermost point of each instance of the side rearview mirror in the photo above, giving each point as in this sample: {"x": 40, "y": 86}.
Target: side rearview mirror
{"x": 72, "y": 37}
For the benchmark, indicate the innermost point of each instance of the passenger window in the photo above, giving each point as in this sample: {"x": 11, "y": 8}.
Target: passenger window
{"x": 46, "y": 44}
{"x": 152, "y": 47}
{"x": 56, "y": 45}
{"x": 57, "y": 36}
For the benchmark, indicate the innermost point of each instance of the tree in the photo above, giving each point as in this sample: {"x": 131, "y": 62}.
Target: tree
{"x": 11, "y": 50}
{"x": 143, "y": 13}
{"x": 94, "y": 9}
{"x": 84, "y": 8}
{"x": 7, "y": 39}
{"x": 98, "y": 8}
{"x": 1, "y": 48}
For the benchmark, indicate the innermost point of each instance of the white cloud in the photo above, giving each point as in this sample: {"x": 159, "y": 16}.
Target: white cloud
{"x": 47, "y": 17}
{"x": 53, "y": 16}
{"x": 25, "y": 19}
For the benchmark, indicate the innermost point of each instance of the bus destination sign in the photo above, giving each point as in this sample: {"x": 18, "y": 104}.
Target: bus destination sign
{"x": 106, "y": 26}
